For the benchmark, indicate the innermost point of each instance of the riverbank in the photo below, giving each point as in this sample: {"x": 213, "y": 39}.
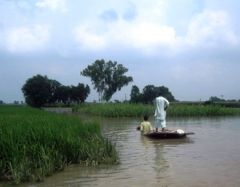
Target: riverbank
{"x": 138, "y": 110}
{"x": 35, "y": 144}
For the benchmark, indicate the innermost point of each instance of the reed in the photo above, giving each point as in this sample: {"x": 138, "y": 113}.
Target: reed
{"x": 200, "y": 110}
{"x": 138, "y": 110}
{"x": 115, "y": 109}
{"x": 35, "y": 144}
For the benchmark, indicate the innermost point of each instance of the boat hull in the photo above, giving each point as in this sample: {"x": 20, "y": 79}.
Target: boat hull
{"x": 167, "y": 135}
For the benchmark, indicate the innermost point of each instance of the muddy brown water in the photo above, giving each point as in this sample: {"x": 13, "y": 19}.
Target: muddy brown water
{"x": 211, "y": 157}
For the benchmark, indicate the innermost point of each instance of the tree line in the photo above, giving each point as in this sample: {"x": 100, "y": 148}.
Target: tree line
{"x": 40, "y": 90}
{"x": 107, "y": 77}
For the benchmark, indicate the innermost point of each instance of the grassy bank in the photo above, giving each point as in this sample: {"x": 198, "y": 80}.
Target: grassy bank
{"x": 138, "y": 110}
{"x": 35, "y": 144}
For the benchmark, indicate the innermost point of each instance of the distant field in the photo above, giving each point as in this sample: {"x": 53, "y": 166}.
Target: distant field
{"x": 35, "y": 144}
{"x": 189, "y": 109}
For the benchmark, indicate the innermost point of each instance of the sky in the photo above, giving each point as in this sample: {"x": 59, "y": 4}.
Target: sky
{"x": 190, "y": 46}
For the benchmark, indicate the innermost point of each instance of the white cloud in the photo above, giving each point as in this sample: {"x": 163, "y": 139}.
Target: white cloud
{"x": 151, "y": 11}
{"x": 148, "y": 32}
{"x": 88, "y": 39}
{"x": 140, "y": 35}
{"x": 53, "y": 5}
{"x": 145, "y": 35}
{"x": 144, "y": 31}
{"x": 26, "y": 39}
{"x": 211, "y": 28}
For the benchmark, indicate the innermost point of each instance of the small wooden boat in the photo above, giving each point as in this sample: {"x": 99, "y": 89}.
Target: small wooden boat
{"x": 168, "y": 134}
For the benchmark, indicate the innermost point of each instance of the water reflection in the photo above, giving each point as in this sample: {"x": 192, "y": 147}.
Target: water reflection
{"x": 161, "y": 148}
{"x": 161, "y": 163}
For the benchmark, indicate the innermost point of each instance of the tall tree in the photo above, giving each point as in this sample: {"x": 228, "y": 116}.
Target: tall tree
{"x": 107, "y": 77}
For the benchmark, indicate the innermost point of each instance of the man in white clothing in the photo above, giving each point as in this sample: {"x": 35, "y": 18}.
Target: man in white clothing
{"x": 160, "y": 112}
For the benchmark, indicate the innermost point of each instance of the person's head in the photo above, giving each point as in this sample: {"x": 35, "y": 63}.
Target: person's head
{"x": 145, "y": 117}
{"x": 159, "y": 94}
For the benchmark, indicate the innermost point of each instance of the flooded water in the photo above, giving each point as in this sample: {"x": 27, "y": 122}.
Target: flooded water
{"x": 211, "y": 157}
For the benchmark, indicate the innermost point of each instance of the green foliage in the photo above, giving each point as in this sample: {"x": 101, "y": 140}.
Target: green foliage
{"x": 79, "y": 92}
{"x": 107, "y": 77}
{"x": 115, "y": 109}
{"x": 39, "y": 91}
{"x": 149, "y": 93}
{"x": 135, "y": 95}
{"x": 215, "y": 99}
{"x": 35, "y": 144}
{"x": 63, "y": 94}
{"x": 138, "y": 110}
{"x": 198, "y": 110}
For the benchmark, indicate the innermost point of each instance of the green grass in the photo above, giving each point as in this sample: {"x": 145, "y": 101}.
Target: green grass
{"x": 199, "y": 110}
{"x": 35, "y": 144}
{"x": 138, "y": 110}
{"x": 115, "y": 109}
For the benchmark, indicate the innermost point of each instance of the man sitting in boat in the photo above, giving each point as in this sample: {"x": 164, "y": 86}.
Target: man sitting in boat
{"x": 145, "y": 126}
{"x": 160, "y": 112}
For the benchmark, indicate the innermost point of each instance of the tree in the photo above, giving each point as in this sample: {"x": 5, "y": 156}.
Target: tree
{"x": 54, "y": 87}
{"x": 135, "y": 95}
{"x": 150, "y": 92}
{"x": 39, "y": 90}
{"x": 63, "y": 94}
{"x": 164, "y": 91}
{"x": 215, "y": 99}
{"x": 79, "y": 93}
{"x": 107, "y": 77}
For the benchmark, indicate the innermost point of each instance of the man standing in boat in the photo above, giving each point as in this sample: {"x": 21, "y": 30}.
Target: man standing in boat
{"x": 160, "y": 112}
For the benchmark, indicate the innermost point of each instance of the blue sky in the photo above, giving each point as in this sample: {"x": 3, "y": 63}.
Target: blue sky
{"x": 190, "y": 46}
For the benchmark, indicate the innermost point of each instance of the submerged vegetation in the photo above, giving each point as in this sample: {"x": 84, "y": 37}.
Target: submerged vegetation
{"x": 137, "y": 110}
{"x": 35, "y": 144}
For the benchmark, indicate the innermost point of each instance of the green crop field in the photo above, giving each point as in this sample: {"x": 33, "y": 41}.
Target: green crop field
{"x": 137, "y": 110}
{"x": 35, "y": 144}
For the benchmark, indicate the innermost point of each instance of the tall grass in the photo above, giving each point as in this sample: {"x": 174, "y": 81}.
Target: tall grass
{"x": 35, "y": 144}
{"x": 200, "y": 110}
{"x": 115, "y": 109}
{"x": 137, "y": 110}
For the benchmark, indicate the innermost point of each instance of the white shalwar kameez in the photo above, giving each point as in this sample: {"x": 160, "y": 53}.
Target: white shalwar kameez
{"x": 160, "y": 111}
